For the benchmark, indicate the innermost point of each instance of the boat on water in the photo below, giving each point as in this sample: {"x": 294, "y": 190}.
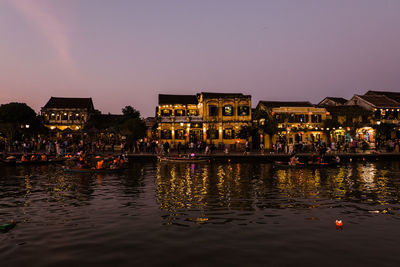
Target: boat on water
{"x": 92, "y": 170}
{"x": 176, "y": 159}
{"x": 282, "y": 164}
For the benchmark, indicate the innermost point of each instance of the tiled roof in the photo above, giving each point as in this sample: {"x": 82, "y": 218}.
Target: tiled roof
{"x": 223, "y": 95}
{"x": 393, "y": 95}
{"x": 380, "y": 101}
{"x": 70, "y": 102}
{"x": 339, "y": 100}
{"x": 344, "y": 109}
{"x": 177, "y": 99}
{"x": 277, "y": 104}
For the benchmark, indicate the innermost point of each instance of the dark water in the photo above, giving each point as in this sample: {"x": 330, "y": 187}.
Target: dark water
{"x": 202, "y": 215}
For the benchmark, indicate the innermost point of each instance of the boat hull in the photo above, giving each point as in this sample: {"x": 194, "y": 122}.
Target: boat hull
{"x": 184, "y": 160}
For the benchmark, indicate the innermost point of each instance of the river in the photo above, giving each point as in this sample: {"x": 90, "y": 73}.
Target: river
{"x": 221, "y": 214}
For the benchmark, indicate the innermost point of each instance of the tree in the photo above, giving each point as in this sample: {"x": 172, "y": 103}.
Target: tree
{"x": 16, "y": 118}
{"x": 383, "y": 131}
{"x": 130, "y": 112}
{"x": 132, "y": 125}
{"x": 246, "y": 132}
{"x": 266, "y": 123}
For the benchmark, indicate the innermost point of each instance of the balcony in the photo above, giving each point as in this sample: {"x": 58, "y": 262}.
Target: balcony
{"x": 182, "y": 119}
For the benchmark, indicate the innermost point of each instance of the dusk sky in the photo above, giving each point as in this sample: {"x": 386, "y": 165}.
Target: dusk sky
{"x": 126, "y": 52}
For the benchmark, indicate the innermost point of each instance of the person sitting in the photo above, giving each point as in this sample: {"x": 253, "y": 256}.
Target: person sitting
{"x": 100, "y": 164}
{"x": 293, "y": 160}
{"x": 24, "y": 158}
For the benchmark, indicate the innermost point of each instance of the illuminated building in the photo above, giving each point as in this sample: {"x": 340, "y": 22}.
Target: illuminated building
{"x": 207, "y": 117}
{"x": 67, "y": 113}
{"x": 297, "y": 121}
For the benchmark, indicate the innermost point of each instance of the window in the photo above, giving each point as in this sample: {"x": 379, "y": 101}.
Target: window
{"x": 301, "y": 118}
{"x": 192, "y": 112}
{"x": 243, "y": 110}
{"x": 166, "y": 134}
{"x": 166, "y": 112}
{"x": 179, "y": 112}
{"x": 212, "y": 111}
{"x": 212, "y": 134}
{"x": 197, "y": 125}
{"x": 228, "y": 134}
{"x": 180, "y": 134}
{"x": 316, "y": 118}
{"x": 227, "y": 110}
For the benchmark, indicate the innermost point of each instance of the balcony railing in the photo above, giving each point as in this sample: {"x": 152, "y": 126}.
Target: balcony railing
{"x": 181, "y": 119}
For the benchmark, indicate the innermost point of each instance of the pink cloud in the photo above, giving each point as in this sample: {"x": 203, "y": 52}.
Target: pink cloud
{"x": 50, "y": 27}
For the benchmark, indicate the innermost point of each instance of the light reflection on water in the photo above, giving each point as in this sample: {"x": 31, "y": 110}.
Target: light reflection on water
{"x": 138, "y": 216}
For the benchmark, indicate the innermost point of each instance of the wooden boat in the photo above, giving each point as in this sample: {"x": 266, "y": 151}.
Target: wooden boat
{"x": 195, "y": 159}
{"x": 32, "y": 162}
{"x": 281, "y": 164}
{"x": 91, "y": 170}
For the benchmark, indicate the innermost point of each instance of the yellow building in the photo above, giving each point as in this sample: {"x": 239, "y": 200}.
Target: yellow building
{"x": 67, "y": 113}
{"x": 205, "y": 117}
{"x": 297, "y": 121}
{"x": 224, "y": 114}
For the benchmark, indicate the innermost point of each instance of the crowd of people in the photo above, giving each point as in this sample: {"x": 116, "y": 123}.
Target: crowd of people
{"x": 69, "y": 145}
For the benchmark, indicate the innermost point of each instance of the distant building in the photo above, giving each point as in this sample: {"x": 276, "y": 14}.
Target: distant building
{"x": 385, "y": 108}
{"x": 332, "y": 101}
{"x": 67, "y": 113}
{"x": 298, "y": 121}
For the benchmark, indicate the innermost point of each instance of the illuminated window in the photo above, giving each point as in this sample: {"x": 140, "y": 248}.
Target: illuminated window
{"x": 166, "y": 134}
{"x": 212, "y": 110}
{"x": 192, "y": 112}
{"x": 243, "y": 110}
{"x": 228, "y": 134}
{"x": 197, "y": 125}
{"x": 179, "y": 112}
{"x": 227, "y": 110}
{"x": 166, "y": 112}
{"x": 180, "y": 134}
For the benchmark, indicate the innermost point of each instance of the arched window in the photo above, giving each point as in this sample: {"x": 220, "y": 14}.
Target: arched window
{"x": 227, "y": 110}
{"x": 243, "y": 110}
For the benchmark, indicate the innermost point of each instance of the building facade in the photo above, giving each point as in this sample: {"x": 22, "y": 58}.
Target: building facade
{"x": 297, "y": 122}
{"x": 206, "y": 117}
{"x": 64, "y": 113}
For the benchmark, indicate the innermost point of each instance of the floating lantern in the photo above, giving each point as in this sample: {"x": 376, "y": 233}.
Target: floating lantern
{"x": 339, "y": 223}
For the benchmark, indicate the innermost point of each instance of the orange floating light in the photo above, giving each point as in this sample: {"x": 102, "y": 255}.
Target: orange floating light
{"x": 339, "y": 223}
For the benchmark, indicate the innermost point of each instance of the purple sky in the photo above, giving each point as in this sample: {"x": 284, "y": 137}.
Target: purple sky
{"x": 125, "y": 52}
